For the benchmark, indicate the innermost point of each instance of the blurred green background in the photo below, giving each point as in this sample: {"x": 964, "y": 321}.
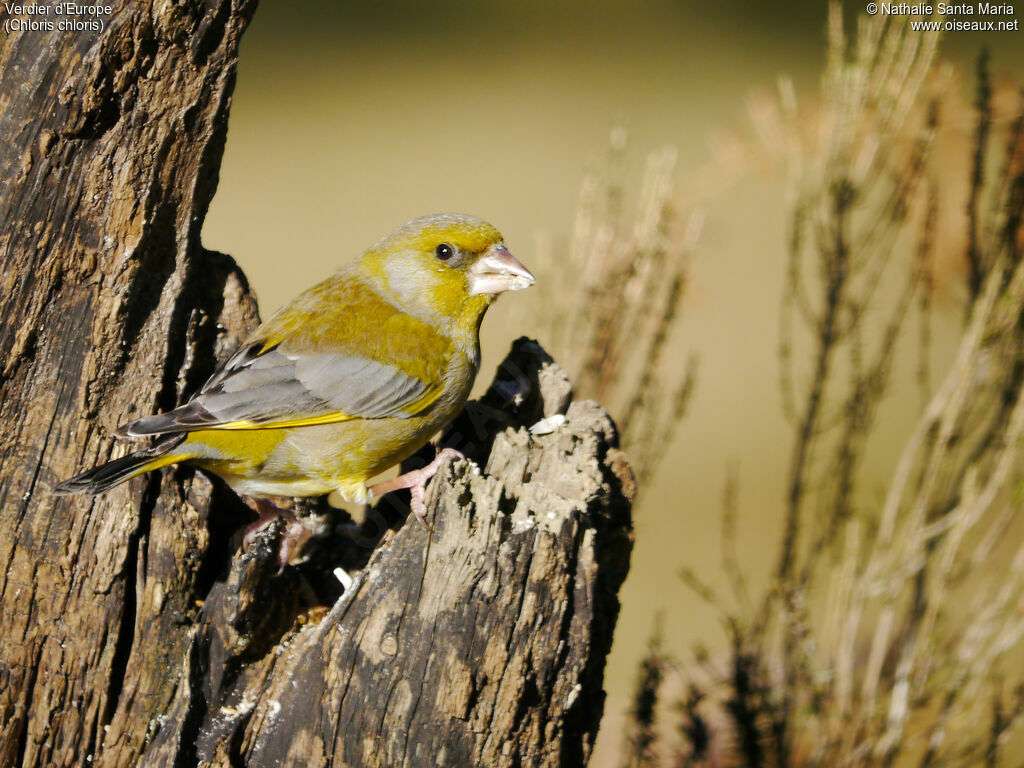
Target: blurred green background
{"x": 349, "y": 119}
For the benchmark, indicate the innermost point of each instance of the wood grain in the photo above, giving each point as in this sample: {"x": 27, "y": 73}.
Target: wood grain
{"x": 111, "y": 309}
{"x": 134, "y": 631}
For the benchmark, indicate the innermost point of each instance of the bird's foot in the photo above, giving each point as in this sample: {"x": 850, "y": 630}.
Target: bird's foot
{"x": 293, "y": 536}
{"x": 416, "y": 481}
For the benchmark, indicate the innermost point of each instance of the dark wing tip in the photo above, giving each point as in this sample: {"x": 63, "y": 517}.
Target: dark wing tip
{"x": 150, "y": 425}
{"x": 188, "y": 417}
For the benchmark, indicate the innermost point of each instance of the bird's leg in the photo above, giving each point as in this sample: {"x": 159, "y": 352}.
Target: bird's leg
{"x": 292, "y": 538}
{"x": 416, "y": 482}
{"x": 268, "y": 512}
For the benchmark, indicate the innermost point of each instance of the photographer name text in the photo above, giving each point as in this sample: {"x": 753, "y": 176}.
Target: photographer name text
{"x": 945, "y": 9}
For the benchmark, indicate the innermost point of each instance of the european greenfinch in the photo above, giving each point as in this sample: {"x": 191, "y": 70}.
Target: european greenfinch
{"x": 350, "y": 378}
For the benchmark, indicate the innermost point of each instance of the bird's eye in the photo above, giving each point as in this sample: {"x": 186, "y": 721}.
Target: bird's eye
{"x": 444, "y": 252}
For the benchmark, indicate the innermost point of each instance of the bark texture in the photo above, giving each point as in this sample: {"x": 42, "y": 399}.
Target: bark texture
{"x": 111, "y": 309}
{"x": 479, "y": 643}
{"x": 133, "y": 632}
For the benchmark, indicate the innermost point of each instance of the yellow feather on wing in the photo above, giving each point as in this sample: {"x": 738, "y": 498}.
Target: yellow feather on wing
{"x": 362, "y": 358}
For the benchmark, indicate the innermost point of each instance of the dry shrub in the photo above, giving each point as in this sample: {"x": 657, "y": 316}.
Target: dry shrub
{"x": 887, "y": 637}
{"x": 612, "y": 305}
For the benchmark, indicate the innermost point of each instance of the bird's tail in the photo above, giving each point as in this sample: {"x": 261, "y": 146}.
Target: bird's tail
{"x": 106, "y": 476}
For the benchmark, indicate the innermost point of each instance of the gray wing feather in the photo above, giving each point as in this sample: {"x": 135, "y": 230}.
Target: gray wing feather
{"x": 276, "y": 386}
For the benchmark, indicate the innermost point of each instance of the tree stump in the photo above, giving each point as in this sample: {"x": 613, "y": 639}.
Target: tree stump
{"x": 133, "y": 632}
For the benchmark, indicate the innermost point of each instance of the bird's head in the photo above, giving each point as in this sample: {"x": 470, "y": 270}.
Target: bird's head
{"x": 446, "y": 267}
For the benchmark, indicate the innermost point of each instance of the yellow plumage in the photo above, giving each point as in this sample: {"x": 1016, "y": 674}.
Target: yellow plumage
{"x": 350, "y": 378}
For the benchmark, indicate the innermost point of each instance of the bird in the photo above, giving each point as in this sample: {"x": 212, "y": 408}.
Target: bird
{"x": 350, "y": 378}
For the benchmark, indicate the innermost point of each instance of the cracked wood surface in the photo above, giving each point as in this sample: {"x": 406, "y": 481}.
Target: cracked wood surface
{"x": 130, "y": 633}
{"x": 111, "y": 309}
{"x": 481, "y": 643}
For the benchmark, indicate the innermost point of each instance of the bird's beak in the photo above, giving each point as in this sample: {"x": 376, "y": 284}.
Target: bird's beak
{"x": 498, "y": 271}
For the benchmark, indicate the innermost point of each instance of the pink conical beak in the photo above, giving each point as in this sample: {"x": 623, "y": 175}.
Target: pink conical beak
{"x": 498, "y": 271}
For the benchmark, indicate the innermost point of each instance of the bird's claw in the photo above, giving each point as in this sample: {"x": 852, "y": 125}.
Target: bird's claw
{"x": 293, "y": 537}
{"x": 416, "y": 481}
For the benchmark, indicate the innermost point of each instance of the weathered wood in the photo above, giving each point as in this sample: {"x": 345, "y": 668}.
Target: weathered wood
{"x": 130, "y": 635}
{"x": 481, "y": 643}
{"x": 111, "y": 309}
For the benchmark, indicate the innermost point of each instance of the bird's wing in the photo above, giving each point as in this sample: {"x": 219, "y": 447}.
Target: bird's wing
{"x": 261, "y": 387}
